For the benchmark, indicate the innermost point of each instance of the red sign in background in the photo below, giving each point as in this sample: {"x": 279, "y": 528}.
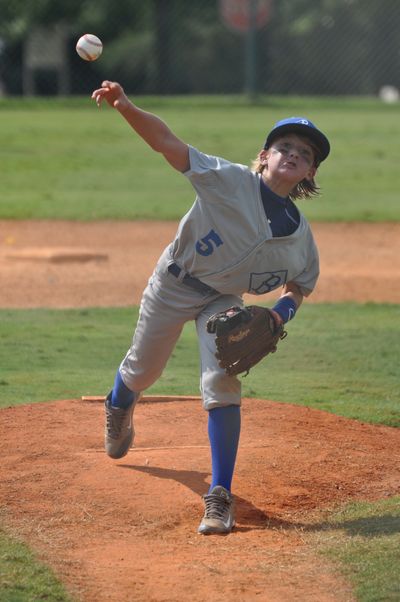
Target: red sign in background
{"x": 237, "y": 14}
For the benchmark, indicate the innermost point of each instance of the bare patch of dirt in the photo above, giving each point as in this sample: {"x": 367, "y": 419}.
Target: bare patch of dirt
{"x": 70, "y": 264}
{"x": 126, "y": 530}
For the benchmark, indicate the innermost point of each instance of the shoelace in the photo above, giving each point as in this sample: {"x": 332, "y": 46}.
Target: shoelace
{"x": 114, "y": 420}
{"x": 216, "y": 506}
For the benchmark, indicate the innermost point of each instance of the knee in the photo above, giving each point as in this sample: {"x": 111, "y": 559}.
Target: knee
{"x": 139, "y": 379}
{"x": 219, "y": 390}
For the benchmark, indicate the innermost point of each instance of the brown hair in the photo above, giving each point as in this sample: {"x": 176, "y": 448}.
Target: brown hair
{"x": 303, "y": 190}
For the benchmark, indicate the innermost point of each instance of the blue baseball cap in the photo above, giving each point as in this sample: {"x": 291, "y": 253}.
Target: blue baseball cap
{"x": 303, "y": 127}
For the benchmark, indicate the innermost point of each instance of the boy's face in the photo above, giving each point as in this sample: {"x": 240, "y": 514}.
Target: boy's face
{"x": 291, "y": 157}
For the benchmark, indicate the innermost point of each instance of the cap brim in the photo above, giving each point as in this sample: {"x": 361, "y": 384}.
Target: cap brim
{"x": 317, "y": 137}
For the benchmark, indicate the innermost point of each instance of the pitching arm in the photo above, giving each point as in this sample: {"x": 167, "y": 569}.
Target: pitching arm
{"x": 148, "y": 126}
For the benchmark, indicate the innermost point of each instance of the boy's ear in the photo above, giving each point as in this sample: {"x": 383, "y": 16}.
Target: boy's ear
{"x": 263, "y": 156}
{"x": 311, "y": 173}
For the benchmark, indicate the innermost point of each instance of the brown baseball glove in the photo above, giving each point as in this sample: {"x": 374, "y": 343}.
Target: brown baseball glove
{"x": 244, "y": 335}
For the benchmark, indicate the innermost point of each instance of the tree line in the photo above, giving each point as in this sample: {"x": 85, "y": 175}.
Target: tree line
{"x": 317, "y": 47}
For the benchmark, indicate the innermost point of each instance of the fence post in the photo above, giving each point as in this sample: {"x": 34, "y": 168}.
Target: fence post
{"x": 251, "y": 52}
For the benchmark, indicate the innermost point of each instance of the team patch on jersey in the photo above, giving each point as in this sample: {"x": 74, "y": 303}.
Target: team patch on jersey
{"x": 265, "y": 282}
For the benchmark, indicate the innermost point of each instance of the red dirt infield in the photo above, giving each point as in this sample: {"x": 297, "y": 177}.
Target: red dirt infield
{"x": 126, "y": 530}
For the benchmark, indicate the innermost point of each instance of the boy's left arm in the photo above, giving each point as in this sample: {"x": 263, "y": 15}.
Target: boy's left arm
{"x": 288, "y": 303}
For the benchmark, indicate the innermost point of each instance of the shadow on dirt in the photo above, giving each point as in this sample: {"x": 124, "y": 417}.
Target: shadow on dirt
{"x": 247, "y": 514}
{"x": 252, "y": 518}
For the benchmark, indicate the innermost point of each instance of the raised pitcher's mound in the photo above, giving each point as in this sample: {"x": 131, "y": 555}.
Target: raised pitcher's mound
{"x": 126, "y": 530}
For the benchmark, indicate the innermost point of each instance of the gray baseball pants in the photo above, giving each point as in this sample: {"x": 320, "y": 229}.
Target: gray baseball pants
{"x": 166, "y": 305}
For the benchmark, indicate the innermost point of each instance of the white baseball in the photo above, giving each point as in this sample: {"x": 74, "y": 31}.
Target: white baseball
{"x": 89, "y": 47}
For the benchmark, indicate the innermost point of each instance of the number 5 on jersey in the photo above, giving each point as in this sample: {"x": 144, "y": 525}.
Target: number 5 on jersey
{"x": 206, "y": 245}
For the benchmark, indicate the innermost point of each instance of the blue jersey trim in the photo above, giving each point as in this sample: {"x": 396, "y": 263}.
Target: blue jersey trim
{"x": 282, "y": 214}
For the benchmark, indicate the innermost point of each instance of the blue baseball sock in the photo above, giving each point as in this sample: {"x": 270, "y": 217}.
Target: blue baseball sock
{"x": 223, "y": 432}
{"x": 121, "y": 397}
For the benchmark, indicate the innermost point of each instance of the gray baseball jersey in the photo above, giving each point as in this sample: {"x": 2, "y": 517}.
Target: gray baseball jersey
{"x": 225, "y": 241}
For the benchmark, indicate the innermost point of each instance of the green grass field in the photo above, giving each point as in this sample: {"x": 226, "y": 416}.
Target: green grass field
{"x": 363, "y": 540}
{"x": 70, "y": 353}
{"x": 74, "y": 161}
{"x": 23, "y": 578}
{"x": 65, "y": 159}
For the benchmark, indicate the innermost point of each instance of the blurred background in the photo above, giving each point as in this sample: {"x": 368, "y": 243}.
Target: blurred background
{"x": 276, "y": 47}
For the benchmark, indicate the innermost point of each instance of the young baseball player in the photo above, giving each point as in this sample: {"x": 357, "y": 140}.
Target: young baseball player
{"x": 242, "y": 234}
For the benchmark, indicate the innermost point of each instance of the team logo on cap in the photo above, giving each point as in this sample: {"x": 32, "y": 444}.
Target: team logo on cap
{"x": 303, "y": 121}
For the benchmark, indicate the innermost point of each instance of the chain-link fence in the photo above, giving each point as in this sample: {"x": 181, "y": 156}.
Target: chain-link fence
{"x": 318, "y": 47}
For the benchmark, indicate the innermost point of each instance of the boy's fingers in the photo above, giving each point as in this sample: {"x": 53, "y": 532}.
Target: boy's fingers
{"x": 97, "y": 95}
{"x": 101, "y": 93}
